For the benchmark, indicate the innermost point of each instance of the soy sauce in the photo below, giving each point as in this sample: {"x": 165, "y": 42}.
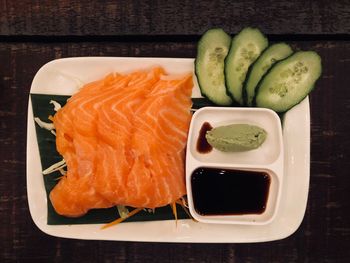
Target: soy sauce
{"x": 229, "y": 192}
{"x": 202, "y": 144}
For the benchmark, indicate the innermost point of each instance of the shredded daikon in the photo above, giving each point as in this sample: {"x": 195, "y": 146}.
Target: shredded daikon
{"x": 55, "y": 167}
{"x": 123, "y": 211}
{"x": 62, "y": 171}
{"x": 46, "y": 125}
{"x": 56, "y": 105}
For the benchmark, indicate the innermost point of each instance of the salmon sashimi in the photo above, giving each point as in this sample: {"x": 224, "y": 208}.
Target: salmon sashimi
{"x": 123, "y": 140}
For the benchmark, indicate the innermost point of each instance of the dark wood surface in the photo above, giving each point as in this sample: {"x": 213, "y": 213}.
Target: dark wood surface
{"x": 324, "y": 235}
{"x": 151, "y": 17}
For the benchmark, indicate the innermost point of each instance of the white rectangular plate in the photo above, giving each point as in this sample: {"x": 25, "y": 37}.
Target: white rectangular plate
{"x": 64, "y": 76}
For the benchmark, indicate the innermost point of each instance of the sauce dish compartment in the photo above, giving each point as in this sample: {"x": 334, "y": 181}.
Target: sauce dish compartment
{"x": 270, "y": 151}
{"x": 268, "y": 158}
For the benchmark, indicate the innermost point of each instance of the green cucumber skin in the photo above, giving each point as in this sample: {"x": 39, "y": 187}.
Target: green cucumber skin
{"x": 255, "y": 72}
{"x": 279, "y": 107}
{"x": 261, "y": 42}
{"x": 215, "y": 94}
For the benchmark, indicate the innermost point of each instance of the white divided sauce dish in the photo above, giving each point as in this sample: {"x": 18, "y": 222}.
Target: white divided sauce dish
{"x": 267, "y": 158}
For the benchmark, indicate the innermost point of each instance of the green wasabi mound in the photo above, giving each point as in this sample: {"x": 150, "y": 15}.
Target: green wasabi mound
{"x": 236, "y": 137}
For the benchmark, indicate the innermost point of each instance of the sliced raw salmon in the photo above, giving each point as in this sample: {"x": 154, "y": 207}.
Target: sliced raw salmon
{"x": 123, "y": 139}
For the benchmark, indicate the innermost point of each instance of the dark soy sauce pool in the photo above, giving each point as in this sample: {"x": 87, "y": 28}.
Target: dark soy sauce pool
{"x": 229, "y": 192}
{"x": 202, "y": 144}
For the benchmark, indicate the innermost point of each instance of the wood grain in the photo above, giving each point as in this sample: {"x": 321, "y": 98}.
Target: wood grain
{"x": 324, "y": 235}
{"x": 118, "y": 17}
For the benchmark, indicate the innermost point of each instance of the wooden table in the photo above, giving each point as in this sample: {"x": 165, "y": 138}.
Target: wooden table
{"x": 35, "y": 32}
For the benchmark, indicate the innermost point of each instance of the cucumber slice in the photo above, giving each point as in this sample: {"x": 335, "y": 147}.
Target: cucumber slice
{"x": 209, "y": 65}
{"x": 270, "y": 56}
{"x": 245, "y": 49}
{"x": 289, "y": 81}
